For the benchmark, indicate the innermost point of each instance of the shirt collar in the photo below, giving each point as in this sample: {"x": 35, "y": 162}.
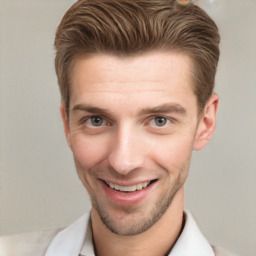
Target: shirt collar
{"x": 76, "y": 240}
{"x": 191, "y": 241}
{"x": 70, "y": 240}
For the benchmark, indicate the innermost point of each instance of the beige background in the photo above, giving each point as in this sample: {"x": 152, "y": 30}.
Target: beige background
{"x": 38, "y": 183}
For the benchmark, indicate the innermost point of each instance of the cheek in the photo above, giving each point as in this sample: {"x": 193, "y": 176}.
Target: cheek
{"x": 173, "y": 153}
{"x": 88, "y": 151}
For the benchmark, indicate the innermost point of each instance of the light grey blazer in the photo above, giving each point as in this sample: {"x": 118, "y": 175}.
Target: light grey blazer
{"x": 36, "y": 244}
{"x": 29, "y": 244}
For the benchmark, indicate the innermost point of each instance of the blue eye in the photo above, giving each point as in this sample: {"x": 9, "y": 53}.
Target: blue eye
{"x": 96, "y": 121}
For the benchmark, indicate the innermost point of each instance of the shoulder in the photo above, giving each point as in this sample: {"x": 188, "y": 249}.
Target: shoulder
{"x": 222, "y": 252}
{"x": 28, "y": 244}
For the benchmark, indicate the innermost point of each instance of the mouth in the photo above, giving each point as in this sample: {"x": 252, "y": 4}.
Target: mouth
{"x": 130, "y": 189}
{"x": 128, "y": 195}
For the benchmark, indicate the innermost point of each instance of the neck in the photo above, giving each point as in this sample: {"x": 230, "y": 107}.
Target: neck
{"x": 156, "y": 241}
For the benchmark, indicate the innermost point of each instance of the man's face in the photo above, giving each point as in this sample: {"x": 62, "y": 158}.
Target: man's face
{"x": 132, "y": 126}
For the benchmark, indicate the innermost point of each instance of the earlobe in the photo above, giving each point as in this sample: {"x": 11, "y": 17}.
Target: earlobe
{"x": 207, "y": 123}
{"x": 65, "y": 123}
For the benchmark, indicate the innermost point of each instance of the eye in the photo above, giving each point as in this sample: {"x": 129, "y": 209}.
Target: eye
{"x": 159, "y": 121}
{"x": 95, "y": 121}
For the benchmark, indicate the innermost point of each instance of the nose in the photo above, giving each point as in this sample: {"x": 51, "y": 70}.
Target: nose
{"x": 127, "y": 152}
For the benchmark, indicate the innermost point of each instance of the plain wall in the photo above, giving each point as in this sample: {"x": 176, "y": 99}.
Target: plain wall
{"x": 39, "y": 187}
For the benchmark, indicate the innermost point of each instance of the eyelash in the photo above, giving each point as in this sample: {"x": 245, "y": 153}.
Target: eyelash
{"x": 107, "y": 123}
{"x": 88, "y": 118}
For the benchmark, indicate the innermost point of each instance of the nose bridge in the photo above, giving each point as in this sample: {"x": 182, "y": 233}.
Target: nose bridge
{"x": 127, "y": 153}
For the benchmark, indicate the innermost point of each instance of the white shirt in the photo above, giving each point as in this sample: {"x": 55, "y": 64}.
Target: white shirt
{"x": 76, "y": 240}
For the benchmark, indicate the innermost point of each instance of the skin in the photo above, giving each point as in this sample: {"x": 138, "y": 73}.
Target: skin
{"x": 132, "y": 120}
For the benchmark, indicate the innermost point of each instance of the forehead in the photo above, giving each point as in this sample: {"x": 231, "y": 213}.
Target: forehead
{"x": 155, "y": 74}
{"x": 103, "y": 67}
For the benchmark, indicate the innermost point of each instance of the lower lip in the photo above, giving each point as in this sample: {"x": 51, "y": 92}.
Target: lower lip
{"x": 127, "y": 199}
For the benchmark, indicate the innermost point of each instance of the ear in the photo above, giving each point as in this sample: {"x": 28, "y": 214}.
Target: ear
{"x": 207, "y": 123}
{"x": 65, "y": 122}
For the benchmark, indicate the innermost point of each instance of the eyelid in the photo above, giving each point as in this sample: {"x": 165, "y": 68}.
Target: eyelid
{"x": 162, "y": 115}
{"x": 109, "y": 122}
{"x": 86, "y": 118}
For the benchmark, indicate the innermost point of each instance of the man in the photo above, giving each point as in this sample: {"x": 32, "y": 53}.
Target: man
{"x": 136, "y": 79}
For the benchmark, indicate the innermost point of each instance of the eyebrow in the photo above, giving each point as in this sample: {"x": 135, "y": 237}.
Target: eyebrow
{"x": 92, "y": 109}
{"x": 163, "y": 109}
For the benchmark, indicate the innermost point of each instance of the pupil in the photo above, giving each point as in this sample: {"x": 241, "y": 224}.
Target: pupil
{"x": 160, "y": 121}
{"x": 96, "y": 121}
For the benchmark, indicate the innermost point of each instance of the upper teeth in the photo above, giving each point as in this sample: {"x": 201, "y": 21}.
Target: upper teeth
{"x": 129, "y": 188}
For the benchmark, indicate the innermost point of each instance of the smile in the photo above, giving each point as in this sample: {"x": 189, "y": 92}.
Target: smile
{"x": 133, "y": 188}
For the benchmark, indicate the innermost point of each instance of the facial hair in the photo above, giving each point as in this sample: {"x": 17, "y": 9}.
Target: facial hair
{"x": 139, "y": 225}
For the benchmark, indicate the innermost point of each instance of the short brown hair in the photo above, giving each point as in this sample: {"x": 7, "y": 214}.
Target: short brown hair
{"x": 130, "y": 27}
